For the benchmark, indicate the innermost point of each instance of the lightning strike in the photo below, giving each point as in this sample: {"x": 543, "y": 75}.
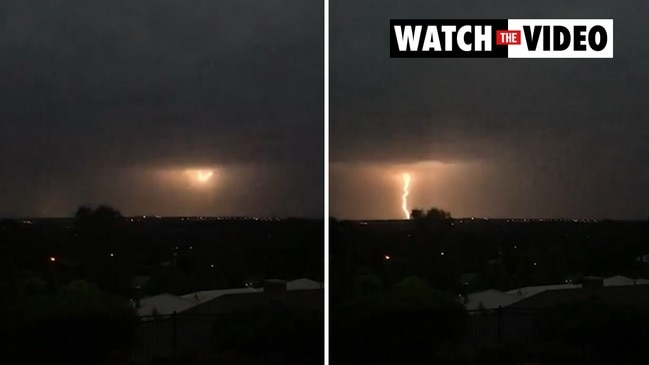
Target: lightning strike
{"x": 204, "y": 175}
{"x": 404, "y": 196}
{"x": 200, "y": 176}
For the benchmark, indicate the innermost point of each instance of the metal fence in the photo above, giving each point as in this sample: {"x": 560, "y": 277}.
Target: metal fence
{"x": 171, "y": 334}
{"x": 208, "y": 337}
{"x": 500, "y": 326}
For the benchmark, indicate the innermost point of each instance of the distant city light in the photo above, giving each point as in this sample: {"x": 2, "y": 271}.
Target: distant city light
{"x": 387, "y": 257}
{"x": 52, "y": 258}
{"x": 442, "y": 253}
{"x": 112, "y": 254}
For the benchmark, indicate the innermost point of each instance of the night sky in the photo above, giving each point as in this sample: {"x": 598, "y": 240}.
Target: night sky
{"x": 117, "y": 102}
{"x": 488, "y": 138}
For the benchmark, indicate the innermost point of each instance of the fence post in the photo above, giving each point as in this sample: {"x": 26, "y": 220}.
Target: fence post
{"x": 174, "y": 332}
{"x": 499, "y": 311}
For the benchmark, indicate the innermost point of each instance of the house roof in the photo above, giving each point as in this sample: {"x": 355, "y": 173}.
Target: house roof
{"x": 490, "y": 299}
{"x": 303, "y": 284}
{"x": 290, "y": 299}
{"x": 207, "y": 295}
{"x": 163, "y": 304}
{"x": 166, "y": 303}
{"x": 529, "y": 291}
{"x": 627, "y": 295}
{"x": 619, "y": 280}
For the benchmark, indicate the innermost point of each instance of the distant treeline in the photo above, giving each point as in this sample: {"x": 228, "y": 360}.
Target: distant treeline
{"x": 178, "y": 255}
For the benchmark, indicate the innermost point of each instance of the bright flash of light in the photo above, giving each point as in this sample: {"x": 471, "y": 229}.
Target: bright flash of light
{"x": 201, "y": 176}
{"x": 404, "y": 195}
{"x": 204, "y": 175}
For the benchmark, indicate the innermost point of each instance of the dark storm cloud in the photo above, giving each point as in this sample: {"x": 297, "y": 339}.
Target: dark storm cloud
{"x": 577, "y": 126}
{"x": 92, "y": 87}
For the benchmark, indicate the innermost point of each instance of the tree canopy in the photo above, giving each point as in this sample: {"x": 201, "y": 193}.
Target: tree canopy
{"x": 432, "y": 214}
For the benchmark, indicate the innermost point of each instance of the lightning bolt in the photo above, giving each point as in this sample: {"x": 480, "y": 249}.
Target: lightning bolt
{"x": 404, "y": 196}
{"x": 204, "y": 175}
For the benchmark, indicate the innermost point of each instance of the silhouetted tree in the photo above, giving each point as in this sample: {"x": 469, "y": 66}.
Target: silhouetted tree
{"x": 101, "y": 215}
{"x": 75, "y": 324}
{"x": 83, "y": 213}
{"x": 432, "y": 236}
{"x": 433, "y": 217}
{"x": 417, "y": 214}
{"x": 388, "y": 324}
{"x": 98, "y": 224}
{"x": 98, "y": 232}
{"x": 436, "y": 214}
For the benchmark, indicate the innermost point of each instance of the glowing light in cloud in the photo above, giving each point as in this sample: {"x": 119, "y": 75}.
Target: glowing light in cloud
{"x": 204, "y": 176}
{"x": 201, "y": 176}
{"x": 404, "y": 196}
{"x": 195, "y": 179}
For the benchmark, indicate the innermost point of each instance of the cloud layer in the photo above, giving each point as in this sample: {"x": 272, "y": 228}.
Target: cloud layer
{"x": 94, "y": 88}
